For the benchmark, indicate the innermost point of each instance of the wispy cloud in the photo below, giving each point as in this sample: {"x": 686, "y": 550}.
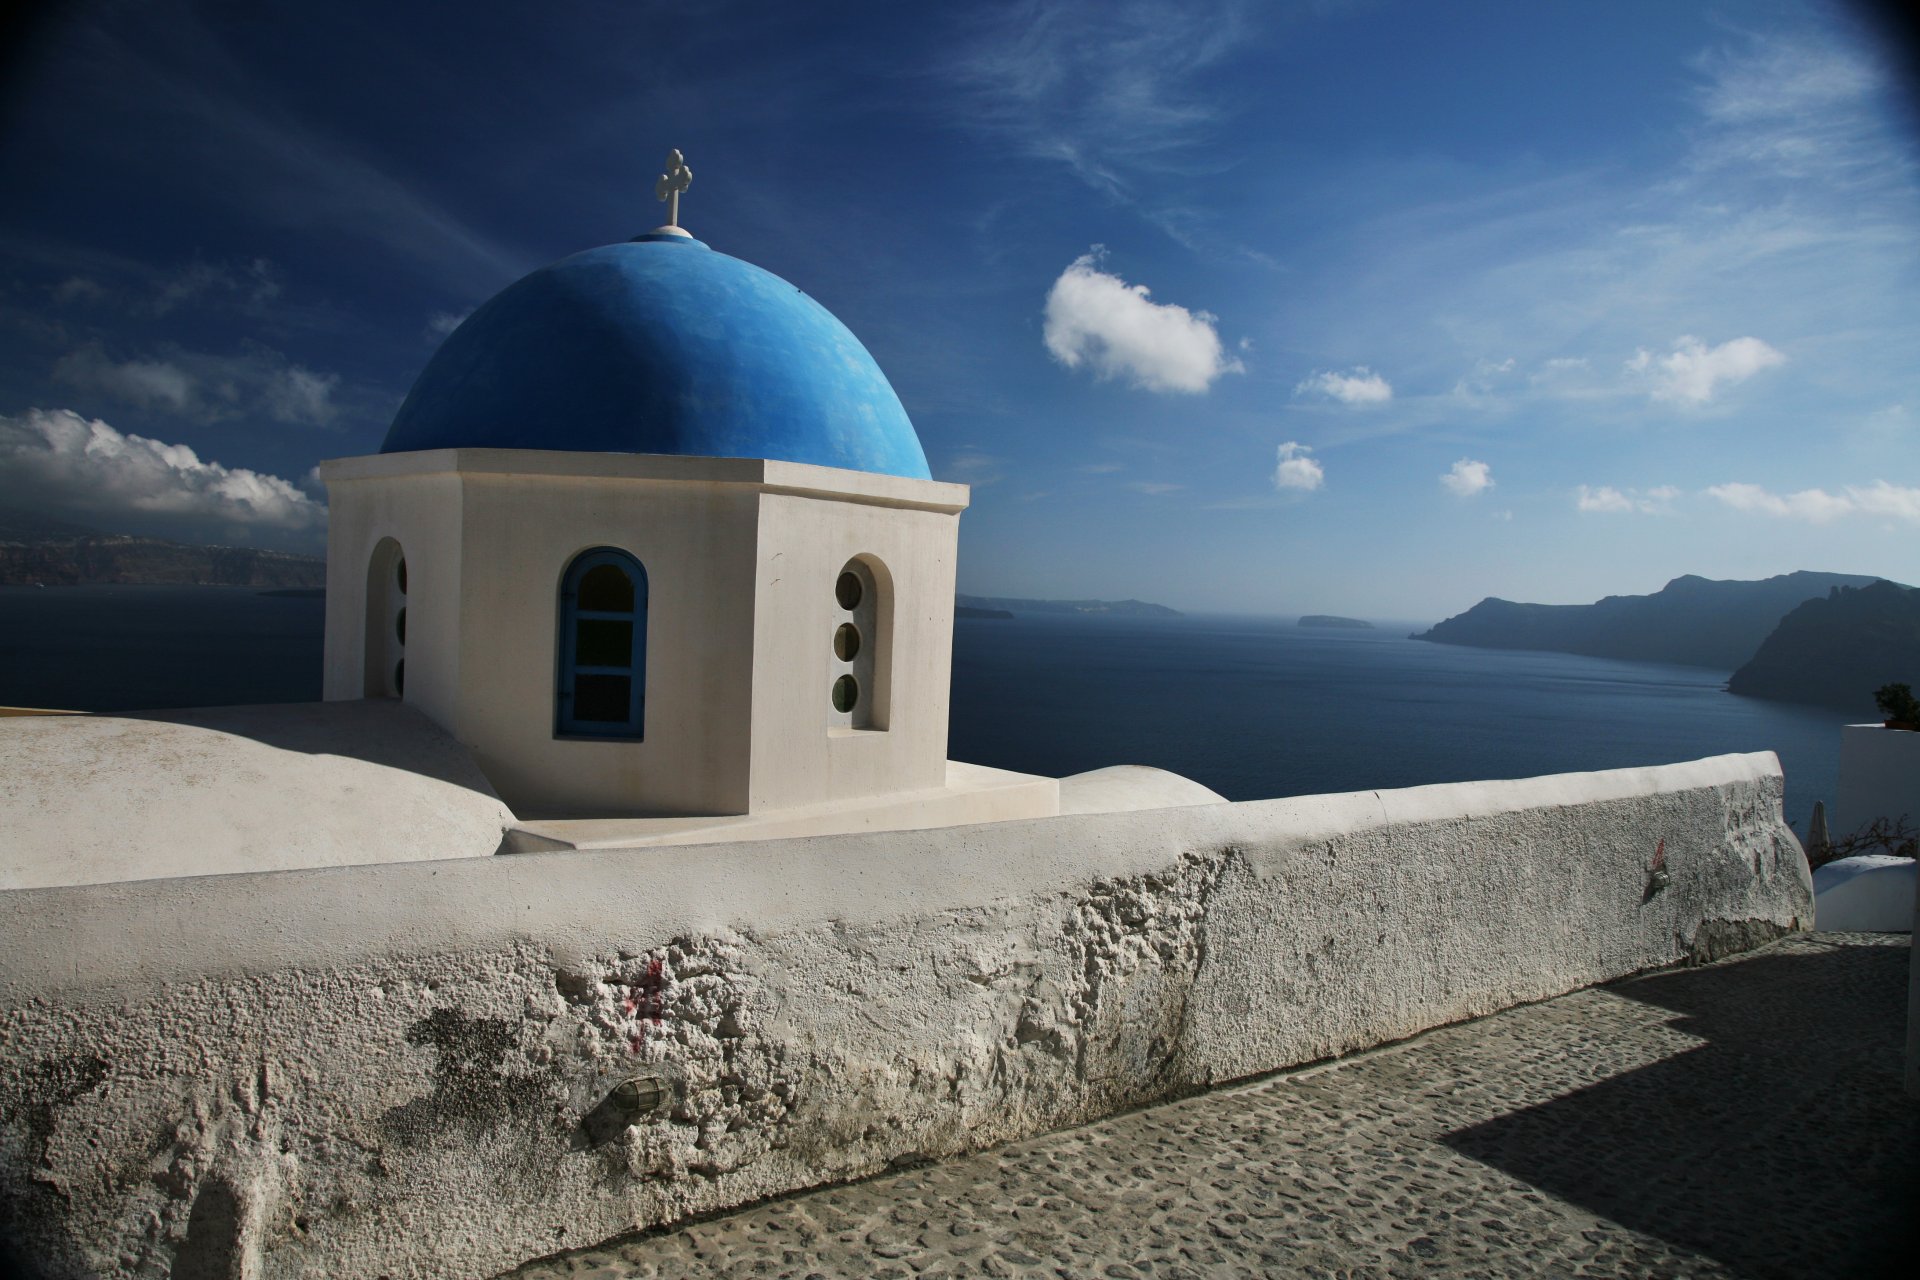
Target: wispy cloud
{"x": 1790, "y": 104}
{"x": 247, "y": 286}
{"x": 1467, "y": 478}
{"x": 239, "y": 136}
{"x": 1153, "y": 487}
{"x": 1605, "y": 499}
{"x": 971, "y": 466}
{"x": 442, "y": 323}
{"x": 1297, "y": 469}
{"x": 1112, "y": 92}
{"x": 1817, "y": 506}
{"x": 1097, "y": 319}
{"x": 1692, "y": 372}
{"x": 1358, "y": 386}
{"x": 204, "y": 386}
{"x": 59, "y": 461}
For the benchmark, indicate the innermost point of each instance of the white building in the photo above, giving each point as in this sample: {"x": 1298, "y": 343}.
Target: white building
{"x": 653, "y": 536}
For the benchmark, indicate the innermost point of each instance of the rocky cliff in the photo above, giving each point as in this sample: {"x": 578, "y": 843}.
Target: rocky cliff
{"x": 1838, "y": 649}
{"x": 35, "y": 550}
{"x": 1693, "y": 621}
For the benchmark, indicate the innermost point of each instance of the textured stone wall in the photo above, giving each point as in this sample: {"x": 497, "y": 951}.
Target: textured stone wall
{"x": 442, "y": 1069}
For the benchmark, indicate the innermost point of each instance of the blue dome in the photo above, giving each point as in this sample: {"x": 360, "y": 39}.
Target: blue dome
{"x": 659, "y": 345}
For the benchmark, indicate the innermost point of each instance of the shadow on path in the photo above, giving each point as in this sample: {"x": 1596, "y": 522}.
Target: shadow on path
{"x": 1782, "y": 1147}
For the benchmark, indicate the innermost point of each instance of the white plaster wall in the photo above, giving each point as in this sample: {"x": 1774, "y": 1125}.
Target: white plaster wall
{"x": 730, "y": 547}
{"x": 1879, "y": 777}
{"x": 696, "y": 541}
{"x": 1869, "y": 893}
{"x": 798, "y": 758}
{"x": 422, "y": 513}
{"x": 220, "y": 790}
{"x": 409, "y": 1070}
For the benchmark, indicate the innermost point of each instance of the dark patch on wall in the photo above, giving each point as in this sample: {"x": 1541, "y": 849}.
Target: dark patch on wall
{"x": 473, "y": 1093}
{"x": 33, "y": 1206}
{"x": 42, "y": 1089}
{"x": 212, "y": 1245}
{"x": 1715, "y": 939}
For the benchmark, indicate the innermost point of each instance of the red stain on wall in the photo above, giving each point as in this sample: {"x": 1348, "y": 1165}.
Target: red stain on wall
{"x": 646, "y": 999}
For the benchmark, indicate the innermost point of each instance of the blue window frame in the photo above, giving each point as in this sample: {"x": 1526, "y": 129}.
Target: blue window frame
{"x": 601, "y": 691}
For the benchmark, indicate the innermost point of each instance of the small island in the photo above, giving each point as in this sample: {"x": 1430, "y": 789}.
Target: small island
{"x": 1335, "y": 621}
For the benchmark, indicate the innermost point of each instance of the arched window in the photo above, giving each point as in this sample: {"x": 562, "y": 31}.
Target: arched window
{"x": 385, "y": 673}
{"x": 602, "y": 686}
{"x": 857, "y": 667}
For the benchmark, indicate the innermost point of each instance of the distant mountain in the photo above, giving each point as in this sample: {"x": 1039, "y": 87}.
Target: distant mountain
{"x": 1334, "y": 620}
{"x": 31, "y": 526}
{"x": 1694, "y": 621}
{"x": 1119, "y": 608}
{"x": 38, "y": 550}
{"x": 968, "y": 611}
{"x": 1839, "y": 649}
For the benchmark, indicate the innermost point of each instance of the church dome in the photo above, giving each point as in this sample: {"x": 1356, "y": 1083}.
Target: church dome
{"x": 659, "y": 345}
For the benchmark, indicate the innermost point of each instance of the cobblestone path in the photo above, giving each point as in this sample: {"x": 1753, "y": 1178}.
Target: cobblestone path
{"x": 1743, "y": 1119}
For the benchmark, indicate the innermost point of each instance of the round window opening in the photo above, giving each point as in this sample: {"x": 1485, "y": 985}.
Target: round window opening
{"x": 846, "y": 642}
{"x": 846, "y": 692}
{"x": 400, "y": 624}
{"x": 848, "y": 590}
{"x": 400, "y": 575}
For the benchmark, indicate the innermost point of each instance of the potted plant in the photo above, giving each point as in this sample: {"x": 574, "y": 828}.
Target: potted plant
{"x": 1899, "y": 706}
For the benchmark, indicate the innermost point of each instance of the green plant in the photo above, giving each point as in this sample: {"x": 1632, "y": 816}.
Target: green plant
{"x": 1896, "y": 702}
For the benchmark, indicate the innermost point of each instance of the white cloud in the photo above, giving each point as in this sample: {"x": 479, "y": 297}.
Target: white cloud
{"x": 207, "y": 387}
{"x": 1153, "y": 486}
{"x": 1883, "y": 499}
{"x": 1099, "y": 319}
{"x": 294, "y": 394}
{"x": 1817, "y": 506}
{"x": 151, "y": 384}
{"x": 1467, "y": 478}
{"x": 1296, "y": 470}
{"x": 58, "y": 460}
{"x": 1486, "y": 377}
{"x": 1604, "y": 498}
{"x": 1693, "y": 371}
{"x": 1607, "y": 499}
{"x": 1360, "y": 386}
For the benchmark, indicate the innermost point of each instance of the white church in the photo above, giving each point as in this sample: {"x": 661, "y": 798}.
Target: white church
{"x": 654, "y": 538}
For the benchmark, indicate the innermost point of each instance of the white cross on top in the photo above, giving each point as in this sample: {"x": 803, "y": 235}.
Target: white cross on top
{"x": 676, "y": 179}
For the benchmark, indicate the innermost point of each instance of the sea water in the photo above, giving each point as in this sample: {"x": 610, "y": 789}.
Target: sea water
{"x": 1251, "y": 707}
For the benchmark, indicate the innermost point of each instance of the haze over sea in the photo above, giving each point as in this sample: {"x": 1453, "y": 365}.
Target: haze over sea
{"x": 1252, "y": 707}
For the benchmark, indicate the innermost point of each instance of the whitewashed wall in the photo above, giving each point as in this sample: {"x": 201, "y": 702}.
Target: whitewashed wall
{"x": 415, "y": 1069}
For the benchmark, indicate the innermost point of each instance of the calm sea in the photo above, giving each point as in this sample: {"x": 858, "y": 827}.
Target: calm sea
{"x": 1252, "y": 707}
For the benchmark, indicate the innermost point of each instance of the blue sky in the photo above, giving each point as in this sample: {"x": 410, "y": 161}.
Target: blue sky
{"x": 1358, "y": 308}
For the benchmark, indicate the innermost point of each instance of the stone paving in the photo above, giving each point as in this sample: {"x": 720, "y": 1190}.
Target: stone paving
{"x": 1743, "y": 1119}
